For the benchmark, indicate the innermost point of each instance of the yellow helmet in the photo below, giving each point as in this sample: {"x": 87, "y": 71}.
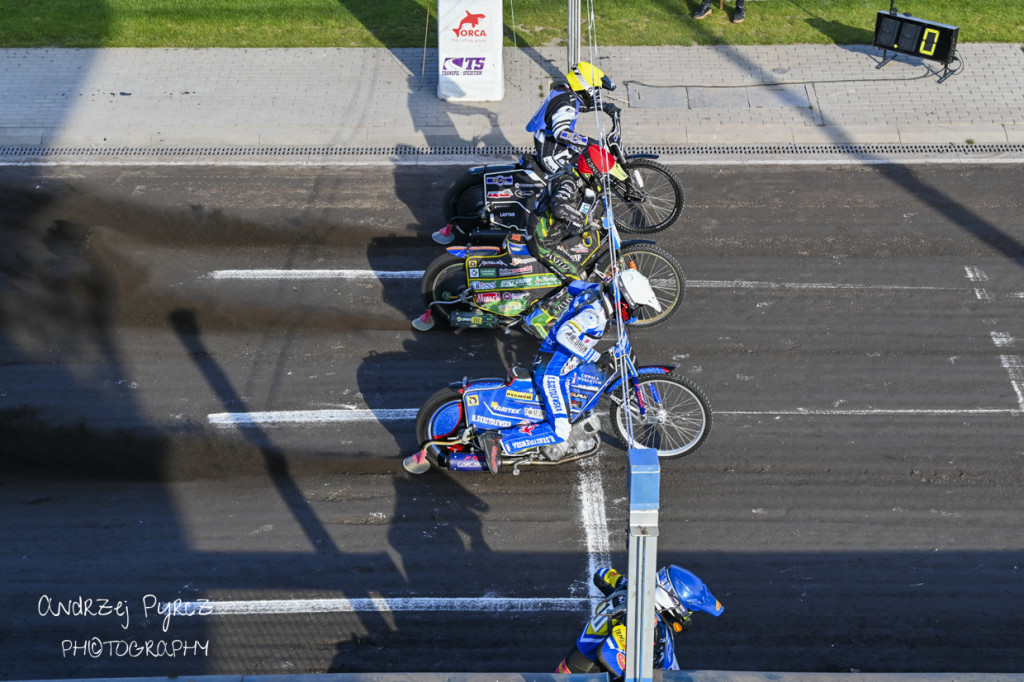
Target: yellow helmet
{"x": 585, "y": 77}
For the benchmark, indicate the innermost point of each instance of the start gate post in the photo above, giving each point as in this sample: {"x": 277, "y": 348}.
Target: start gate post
{"x": 644, "y": 485}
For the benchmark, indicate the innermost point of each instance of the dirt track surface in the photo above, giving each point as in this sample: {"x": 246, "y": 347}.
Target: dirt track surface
{"x": 857, "y": 506}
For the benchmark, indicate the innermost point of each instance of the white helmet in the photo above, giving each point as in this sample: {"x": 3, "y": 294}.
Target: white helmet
{"x": 637, "y": 290}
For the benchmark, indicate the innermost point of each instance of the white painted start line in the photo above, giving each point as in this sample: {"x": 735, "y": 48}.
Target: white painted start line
{"x": 284, "y": 417}
{"x": 374, "y": 605}
{"x": 292, "y": 275}
{"x": 251, "y": 275}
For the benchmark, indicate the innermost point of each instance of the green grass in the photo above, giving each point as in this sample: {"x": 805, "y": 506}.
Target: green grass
{"x": 401, "y": 23}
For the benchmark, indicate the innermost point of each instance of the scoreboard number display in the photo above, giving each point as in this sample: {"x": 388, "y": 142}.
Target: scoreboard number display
{"x": 915, "y": 36}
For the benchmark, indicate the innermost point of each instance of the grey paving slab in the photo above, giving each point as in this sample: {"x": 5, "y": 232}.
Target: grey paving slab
{"x": 354, "y": 97}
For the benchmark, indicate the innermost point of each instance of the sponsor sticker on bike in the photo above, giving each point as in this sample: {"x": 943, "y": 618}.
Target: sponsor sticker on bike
{"x": 488, "y": 421}
{"x": 520, "y": 395}
{"x": 513, "y": 308}
{"x": 508, "y": 272}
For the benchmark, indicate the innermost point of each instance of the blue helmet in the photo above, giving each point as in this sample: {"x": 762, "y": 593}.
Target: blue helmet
{"x": 679, "y": 592}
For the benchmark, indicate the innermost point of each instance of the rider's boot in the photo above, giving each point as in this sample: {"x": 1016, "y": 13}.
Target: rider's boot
{"x": 490, "y": 441}
{"x": 444, "y": 236}
{"x": 546, "y": 311}
{"x": 424, "y": 322}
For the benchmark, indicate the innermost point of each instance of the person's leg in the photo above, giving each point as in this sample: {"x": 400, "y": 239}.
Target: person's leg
{"x": 703, "y": 10}
{"x": 741, "y": 12}
{"x": 556, "y": 427}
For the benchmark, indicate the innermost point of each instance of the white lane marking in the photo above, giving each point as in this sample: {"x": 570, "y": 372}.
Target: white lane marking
{"x": 373, "y": 605}
{"x": 251, "y": 419}
{"x": 595, "y": 523}
{"x": 308, "y": 417}
{"x": 975, "y": 274}
{"x": 1002, "y": 339}
{"x": 1014, "y": 366}
{"x": 314, "y": 274}
{"x": 799, "y": 412}
{"x": 278, "y": 274}
{"x": 742, "y": 284}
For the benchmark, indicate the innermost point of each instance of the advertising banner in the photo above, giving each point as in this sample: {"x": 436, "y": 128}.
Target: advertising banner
{"x": 469, "y": 38}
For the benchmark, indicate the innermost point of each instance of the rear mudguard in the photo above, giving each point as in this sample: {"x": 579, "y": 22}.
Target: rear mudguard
{"x": 631, "y": 242}
{"x": 478, "y": 250}
{"x": 642, "y": 156}
{"x": 499, "y": 168}
{"x": 646, "y": 369}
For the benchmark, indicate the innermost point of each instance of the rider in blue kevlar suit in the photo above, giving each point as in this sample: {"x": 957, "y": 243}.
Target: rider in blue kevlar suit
{"x": 678, "y": 593}
{"x": 570, "y": 342}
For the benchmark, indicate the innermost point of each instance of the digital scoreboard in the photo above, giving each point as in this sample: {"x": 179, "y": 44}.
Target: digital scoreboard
{"x": 915, "y": 36}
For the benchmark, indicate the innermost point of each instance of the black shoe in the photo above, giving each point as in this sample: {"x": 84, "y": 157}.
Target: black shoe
{"x": 703, "y": 10}
{"x": 490, "y": 441}
{"x": 740, "y": 15}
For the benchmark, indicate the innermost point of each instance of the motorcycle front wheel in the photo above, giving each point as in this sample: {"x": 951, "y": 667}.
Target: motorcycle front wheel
{"x": 676, "y": 416}
{"x": 650, "y": 201}
{"x": 664, "y": 273}
{"x": 444, "y": 280}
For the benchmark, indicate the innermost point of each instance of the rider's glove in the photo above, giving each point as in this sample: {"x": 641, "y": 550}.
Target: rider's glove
{"x": 610, "y": 108}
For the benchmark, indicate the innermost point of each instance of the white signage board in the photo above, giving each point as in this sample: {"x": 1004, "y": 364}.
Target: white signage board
{"x": 469, "y": 38}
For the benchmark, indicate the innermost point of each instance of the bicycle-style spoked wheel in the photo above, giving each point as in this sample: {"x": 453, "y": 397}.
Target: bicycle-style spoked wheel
{"x": 652, "y": 199}
{"x": 675, "y": 418}
{"x": 664, "y": 274}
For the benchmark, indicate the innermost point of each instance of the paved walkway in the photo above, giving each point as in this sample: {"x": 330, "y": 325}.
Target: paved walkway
{"x": 369, "y": 98}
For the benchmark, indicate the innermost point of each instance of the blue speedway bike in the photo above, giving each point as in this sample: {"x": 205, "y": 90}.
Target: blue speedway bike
{"x": 650, "y": 408}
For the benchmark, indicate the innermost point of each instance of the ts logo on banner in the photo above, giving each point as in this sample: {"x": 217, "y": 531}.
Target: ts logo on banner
{"x": 463, "y": 66}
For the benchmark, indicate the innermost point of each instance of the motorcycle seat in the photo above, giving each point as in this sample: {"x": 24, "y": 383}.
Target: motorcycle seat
{"x": 482, "y": 250}
{"x": 517, "y": 373}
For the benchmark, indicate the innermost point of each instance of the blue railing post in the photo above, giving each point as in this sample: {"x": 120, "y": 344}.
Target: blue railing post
{"x": 644, "y": 485}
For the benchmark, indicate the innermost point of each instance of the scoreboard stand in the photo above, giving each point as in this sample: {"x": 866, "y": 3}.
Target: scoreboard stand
{"x": 906, "y": 34}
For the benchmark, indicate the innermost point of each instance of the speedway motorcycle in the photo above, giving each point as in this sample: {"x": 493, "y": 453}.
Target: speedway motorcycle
{"x": 601, "y": 647}
{"x": 490, "y": 286}
{"x": 650, "y": 408}
{"x": 490, "y": 202}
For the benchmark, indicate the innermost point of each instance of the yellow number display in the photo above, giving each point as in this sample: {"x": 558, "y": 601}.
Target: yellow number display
{"x": 930, "y": 41}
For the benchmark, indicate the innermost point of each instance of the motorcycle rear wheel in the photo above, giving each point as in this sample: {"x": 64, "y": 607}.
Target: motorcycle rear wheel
{"x": 441, "y": 417}
{"x": 444, "y": 280}
{"x": 651, "y": 202}
{"x": 664, "y": 273}
{"x": 676, "y": 419}
{"x": 464, "y": 202}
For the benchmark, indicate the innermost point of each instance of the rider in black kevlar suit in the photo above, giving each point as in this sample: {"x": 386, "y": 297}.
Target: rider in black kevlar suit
{"x": 560, "y": 235}
{"x": 554, "y": 124}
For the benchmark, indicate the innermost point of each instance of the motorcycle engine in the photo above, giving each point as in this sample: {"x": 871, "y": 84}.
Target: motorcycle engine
{"x": 585, "y": 436}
